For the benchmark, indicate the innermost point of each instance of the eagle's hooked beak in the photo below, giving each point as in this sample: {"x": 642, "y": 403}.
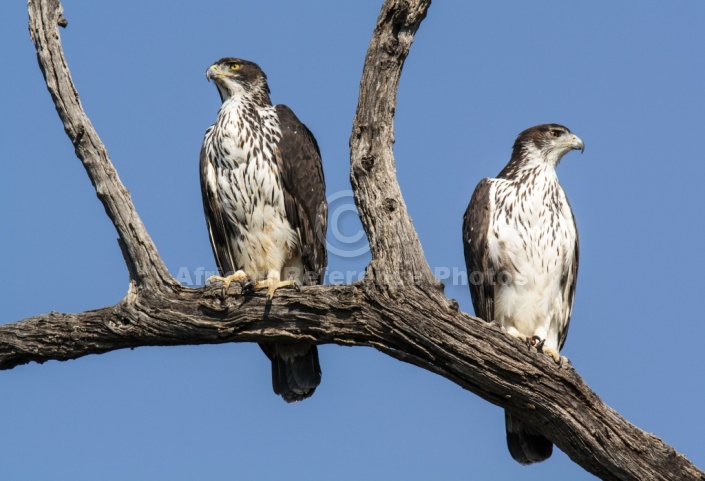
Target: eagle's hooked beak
{"x": 577, "y": 144}
{"x": 213, "y": 72}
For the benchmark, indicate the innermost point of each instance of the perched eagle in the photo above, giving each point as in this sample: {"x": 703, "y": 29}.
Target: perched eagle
{"x": 521, "y": 253}
{"x": 264, "y": 198}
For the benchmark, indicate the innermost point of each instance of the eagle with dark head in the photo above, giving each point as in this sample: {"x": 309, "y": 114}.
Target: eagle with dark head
{"x": 521, "y": 253}
{"x": 264, "y": 198}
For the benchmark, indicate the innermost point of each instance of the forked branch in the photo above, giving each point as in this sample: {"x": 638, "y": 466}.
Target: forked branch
{"x": 399, "y": 308}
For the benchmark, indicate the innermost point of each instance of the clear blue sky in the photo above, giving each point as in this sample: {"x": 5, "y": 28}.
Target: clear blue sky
{"x": 626, "y": 77}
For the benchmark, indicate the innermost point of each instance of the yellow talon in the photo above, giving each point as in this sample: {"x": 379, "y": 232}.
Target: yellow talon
{"x": 554, "y": 354}
{"x": 272, "y": 285}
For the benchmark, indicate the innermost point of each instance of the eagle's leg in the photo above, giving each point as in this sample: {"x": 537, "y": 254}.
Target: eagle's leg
{"x": 272, "y": 283}
{"x": 237, "y": 276}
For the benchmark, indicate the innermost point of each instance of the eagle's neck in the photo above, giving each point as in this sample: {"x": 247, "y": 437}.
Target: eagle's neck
{"x": 251, "y": 107}
{"x": 257, "y": 93}
{"x": 527, "y": 157}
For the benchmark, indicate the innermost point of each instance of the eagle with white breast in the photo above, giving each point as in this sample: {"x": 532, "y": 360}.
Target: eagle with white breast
{"x": 521, "y": 252}
{"x": 264, "y": 199}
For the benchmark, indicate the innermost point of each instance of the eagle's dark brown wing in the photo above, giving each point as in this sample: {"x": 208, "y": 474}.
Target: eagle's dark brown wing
{"x": 481, "y": 275}
{"x": 301, "y": 172}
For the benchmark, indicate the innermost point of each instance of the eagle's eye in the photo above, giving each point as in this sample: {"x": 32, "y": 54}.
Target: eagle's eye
{"x": 555, "y": 133}
{"x": 234, "y": 66}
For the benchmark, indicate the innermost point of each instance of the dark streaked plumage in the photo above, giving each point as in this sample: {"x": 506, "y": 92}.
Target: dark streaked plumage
{"x": 521, "y": 252}
{"x": 264, "y": 199}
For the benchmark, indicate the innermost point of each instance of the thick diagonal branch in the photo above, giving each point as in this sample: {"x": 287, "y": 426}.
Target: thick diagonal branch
{"x": 475, "y": 355}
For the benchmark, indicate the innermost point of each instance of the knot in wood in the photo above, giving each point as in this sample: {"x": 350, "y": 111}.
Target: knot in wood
{"x": 453, "y": 304}
{"x": 389, "y": 205}
{"x": 119, "y": 323}
{"x": 368, "y": 162}
{"x": 391, "y": 46}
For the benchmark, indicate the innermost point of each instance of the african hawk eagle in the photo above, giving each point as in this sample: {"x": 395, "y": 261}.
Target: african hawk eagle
{"x": 521, "y": 253}
{"x": 264, "y": 199}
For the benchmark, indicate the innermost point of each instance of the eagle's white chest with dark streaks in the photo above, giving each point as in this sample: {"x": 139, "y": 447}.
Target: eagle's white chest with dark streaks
{"x": 532, "y": 238}
{"x": 243, "y": 175}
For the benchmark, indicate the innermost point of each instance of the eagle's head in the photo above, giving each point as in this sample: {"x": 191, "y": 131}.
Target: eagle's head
{"x": 238, "y": 77}
{"x": 546, "y": 143}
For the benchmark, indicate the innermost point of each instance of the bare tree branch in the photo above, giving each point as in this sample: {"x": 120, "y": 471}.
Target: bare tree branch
{"x": 397, "y": 257}
{"x": 143, "y": 262}
{"x": 399, "y": 308}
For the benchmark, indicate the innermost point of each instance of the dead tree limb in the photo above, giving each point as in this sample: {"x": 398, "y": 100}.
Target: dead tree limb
{"x": 398, "y": 308}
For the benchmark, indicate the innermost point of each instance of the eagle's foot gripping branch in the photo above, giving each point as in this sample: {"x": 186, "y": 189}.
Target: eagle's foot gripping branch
{"x": 273, "y": 284}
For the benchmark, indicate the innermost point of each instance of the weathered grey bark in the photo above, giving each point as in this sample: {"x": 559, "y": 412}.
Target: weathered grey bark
{"x": 399, "y": 308}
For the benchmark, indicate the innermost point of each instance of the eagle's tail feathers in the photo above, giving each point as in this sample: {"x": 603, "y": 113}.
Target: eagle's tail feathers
{"x": 296, "y": 371}
{"x": 524, "y": 445}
